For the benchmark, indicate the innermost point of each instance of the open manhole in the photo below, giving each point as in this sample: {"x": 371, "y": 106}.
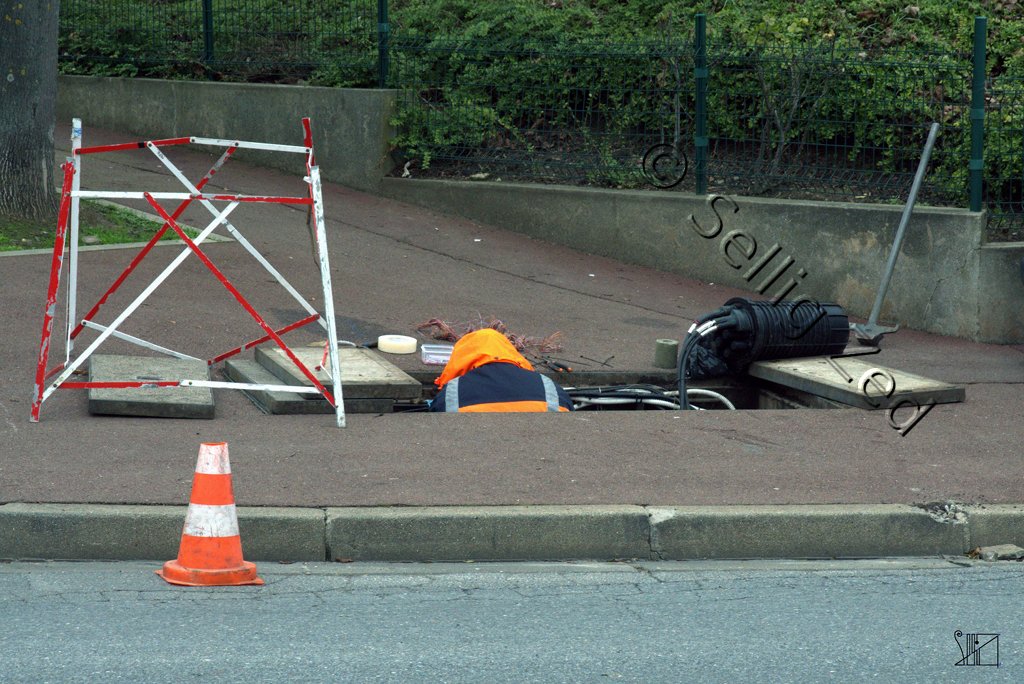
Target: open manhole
{"x": 801, "y": 383}
{"x": 653, "y": 391}
{"x": 753, "y": 364}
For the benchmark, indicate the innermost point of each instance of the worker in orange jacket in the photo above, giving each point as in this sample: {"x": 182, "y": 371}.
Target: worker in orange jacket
{"x": 487, "y": 374}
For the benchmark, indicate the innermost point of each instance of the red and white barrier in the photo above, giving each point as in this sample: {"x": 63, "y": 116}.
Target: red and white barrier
{"x": 47, "y": 381}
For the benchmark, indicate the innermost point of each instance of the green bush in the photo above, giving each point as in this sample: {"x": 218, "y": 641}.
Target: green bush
{"x": 859, "y": 80}
{"x": 561, "y": 89}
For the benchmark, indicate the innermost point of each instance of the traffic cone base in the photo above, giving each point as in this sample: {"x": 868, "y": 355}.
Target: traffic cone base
{"x": 211, "y": 549}
{"x": 176, "y": 573}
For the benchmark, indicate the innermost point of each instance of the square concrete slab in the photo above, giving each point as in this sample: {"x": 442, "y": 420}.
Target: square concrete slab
{"x": 293, "y": 403}
{"x": 856, "y": 382}
{"x": 365, "y": 374}
{"x": 155, "y": 402}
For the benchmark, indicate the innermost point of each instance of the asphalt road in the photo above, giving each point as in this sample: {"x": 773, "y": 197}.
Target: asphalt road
{"x": 589, "y": 622}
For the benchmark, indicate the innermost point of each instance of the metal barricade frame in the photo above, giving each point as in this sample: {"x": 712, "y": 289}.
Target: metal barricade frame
{"x": 47, "y": 381}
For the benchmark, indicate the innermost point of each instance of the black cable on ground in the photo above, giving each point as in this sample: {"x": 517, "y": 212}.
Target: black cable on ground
{"x": 691, "y": 341}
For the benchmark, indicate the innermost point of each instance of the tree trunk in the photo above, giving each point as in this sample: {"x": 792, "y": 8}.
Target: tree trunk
{"x": 28, "y": 98}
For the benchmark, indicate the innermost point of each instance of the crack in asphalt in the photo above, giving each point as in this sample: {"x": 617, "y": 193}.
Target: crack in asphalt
{"x": 8, "y": 420}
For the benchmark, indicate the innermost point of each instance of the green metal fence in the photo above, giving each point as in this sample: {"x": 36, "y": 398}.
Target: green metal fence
{"x": 835, "y": 123}
{"x": 579, "y": 112}
{"x": 249, "y": 40}
{"x": 828, "y": 122}
{"x": 673, "y": 111}
{"x": 823, "y": 122}
{"x": 1004, "y": 157}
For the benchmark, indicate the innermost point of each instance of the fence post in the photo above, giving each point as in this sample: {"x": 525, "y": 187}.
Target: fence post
{"x": 976, "y": 165}
{"x": 383, "y": 37}
{"x": 207, "y": 31}
{"x": 700, "y": 74}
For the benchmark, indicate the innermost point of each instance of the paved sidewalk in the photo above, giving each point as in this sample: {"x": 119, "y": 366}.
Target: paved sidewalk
{"x": 396, "y": 265}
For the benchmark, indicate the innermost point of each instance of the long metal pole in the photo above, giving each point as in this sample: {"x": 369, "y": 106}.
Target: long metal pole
{"x": 904, "y": 219}
{"x": 383, "y": 44}
{"x": 207, "y": 32}
{"x": 700, "y": 74}
{"x": 976, "y": 165}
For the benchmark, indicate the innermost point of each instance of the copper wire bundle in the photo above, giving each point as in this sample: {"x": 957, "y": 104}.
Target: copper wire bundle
{"x": 451, "y": 332}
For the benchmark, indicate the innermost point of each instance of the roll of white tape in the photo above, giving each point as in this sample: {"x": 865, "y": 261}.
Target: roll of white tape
{"x": 396, "y": 344}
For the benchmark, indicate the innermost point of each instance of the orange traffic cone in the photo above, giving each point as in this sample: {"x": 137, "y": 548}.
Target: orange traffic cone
{"x": 211, "y": 548}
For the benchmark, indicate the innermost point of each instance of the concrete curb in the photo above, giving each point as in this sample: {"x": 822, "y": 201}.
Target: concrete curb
{"x": 128, "y": 532}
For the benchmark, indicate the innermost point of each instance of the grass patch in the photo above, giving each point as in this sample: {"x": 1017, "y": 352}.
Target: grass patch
{"x": 99, "y": 223}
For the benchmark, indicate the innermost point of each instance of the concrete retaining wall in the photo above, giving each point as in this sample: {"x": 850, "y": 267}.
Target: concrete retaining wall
{"x": 1001, "y": 293}
{"x": 947, "y": 280}
{"x": 351, "y": 127}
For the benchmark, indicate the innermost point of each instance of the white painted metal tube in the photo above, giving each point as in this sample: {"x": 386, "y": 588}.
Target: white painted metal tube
{"x": 220, "y": 197}
{"x": 140, "y": 342}
{"x": 76, "y": 185}
{"x": 224, "y": 384}
{"x": 325, "y": 277}
{"x": 251, "y": 145}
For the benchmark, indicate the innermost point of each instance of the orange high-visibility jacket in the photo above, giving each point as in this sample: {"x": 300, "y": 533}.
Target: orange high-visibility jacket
{"x": 487, "y": 374}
